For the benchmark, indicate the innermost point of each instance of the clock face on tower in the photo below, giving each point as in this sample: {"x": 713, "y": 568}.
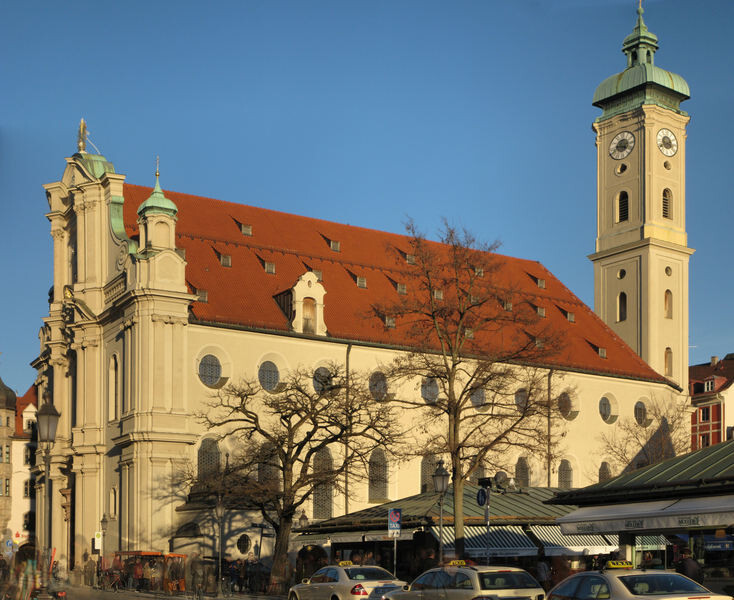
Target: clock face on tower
{"x": 621, "y": 145}
{"x": 667, "y": 143}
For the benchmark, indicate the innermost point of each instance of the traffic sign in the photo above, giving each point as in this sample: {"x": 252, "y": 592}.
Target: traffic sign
{"x": 481, "y": 496}
{"x": 394, "y": 517}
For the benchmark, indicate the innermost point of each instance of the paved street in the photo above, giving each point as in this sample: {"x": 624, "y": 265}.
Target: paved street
{"x": 85, "y": 593}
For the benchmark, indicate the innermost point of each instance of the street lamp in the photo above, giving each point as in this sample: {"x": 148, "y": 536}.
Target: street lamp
{"x": 103, "y": 526}
{"x": 303, "y": 520}
{"x": 219, "y": 513}
{"x": 440, "y": 485}
{"x": 48, "y": 420}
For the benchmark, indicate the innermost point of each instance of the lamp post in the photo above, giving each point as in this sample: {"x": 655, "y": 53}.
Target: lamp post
{"x": 440, "y": 485}
{"x": 48, "y": 419}
{"x": 103, "y": 526}
{"x": 219, "y": 513}
{"x": 303, "y": 520}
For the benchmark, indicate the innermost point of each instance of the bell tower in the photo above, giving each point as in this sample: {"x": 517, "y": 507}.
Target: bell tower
{"x": 641, "y": 257}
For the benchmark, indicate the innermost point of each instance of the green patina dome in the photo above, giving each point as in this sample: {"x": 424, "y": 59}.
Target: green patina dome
{"x": 96, "y": 164}
{"x": 641, "y": 82}
{"x": 157, "y": 202}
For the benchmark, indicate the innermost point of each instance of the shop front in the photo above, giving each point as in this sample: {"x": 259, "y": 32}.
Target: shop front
{"x": 657, "y": 511}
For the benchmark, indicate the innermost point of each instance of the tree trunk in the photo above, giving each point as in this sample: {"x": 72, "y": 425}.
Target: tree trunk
{"x": 458, "y": 516}
{"x": 280, "y": 573}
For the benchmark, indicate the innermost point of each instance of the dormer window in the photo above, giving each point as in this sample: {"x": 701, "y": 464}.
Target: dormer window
{"x": 390, "y": 322}
{"x": 541, "y": 283}
{"x": 402, "y": 289}
{"x": 306, "y": 308}
{"x": 602, "y": 352}
{"x": 507, "y": 305}
{"x": 335, "y": 245}
{"x": 479, "y": 271}
{"x": 540, "y": 310}
{"x": 319, "y": 274}
{"x": 246, "y": 229}
{"x": 225, "y": 260}
{"x": 708, "y": 385}
{"x": 437, "y": 294}
{"x": 362, "y": 282}
{"x": 410, "y": 259}
{"x": 269, "y": 267}
{"x": 203, "y": 295}
{"x": 571, "y": 317}
{"x": 469, "y": 333}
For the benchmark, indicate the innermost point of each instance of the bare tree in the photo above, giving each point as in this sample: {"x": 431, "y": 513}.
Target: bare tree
{"x": 298, "y": 441}
{"x": 479, "y": 349}
{"x": 659, "y": 429}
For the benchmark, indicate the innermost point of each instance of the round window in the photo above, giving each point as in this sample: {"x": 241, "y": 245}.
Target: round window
{"x": 605, "y": 409}
{"x": 210, "y": 370}
{"x": 243, "y": 543}
{"x": 564, "y": 406}
{"x": 641, "y": 413}
{"x": 322, "y": 380}
{"x": 479, "y": 399}
{"x": 378, "y": 386}
{"x": 269, "y": 376}
{"x": 429, "y": 390}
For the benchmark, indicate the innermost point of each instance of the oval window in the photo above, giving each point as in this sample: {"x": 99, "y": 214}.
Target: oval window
{"x": 210, "y": 370}
{"x": 378, "y": 386}
{"x": 268, "y": 376}
{"x": 429, "y": 390}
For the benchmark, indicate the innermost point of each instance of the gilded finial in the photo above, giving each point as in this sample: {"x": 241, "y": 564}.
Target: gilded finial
{"x": 81, "y": 142}
{"x": 157, "y": 166}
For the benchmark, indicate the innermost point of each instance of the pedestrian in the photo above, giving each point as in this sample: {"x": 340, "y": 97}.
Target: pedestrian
{"x": 146, "y": 576}
{"x": 689, "y": 567}
{"x": 542, "y": 571}
{"x": 138, "y": 574}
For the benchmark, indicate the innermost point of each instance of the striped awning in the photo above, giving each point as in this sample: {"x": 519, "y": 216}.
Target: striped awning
{"x": 504, "y": 540}
{"x": 643, "y": 542}
{"x": 556, "y": 543}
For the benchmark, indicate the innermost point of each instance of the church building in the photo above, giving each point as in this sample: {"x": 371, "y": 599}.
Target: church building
{"x": 161, "y": 298}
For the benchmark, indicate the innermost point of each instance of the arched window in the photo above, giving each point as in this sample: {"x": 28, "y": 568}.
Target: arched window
{"x": 428, "y": 468}
{"x": 309, "y": 315}
{"x": 623, "y": 207}
{"x": 605, "y": 471}
{"x": 641, "y": 413}
{"x": 522, "y": 472}
{"x": 667, "y": 204}
{"x": 668, "y": 304}
{"x": 268, "y": 473}
{"x": 621, "y": 307}
{"x": 209, "y": 457}
{"x": 378, "y": 476}
{"x": 113, "y": 387}
{"x": 668, "y": 362}
{"x": 565, "y": 475}
{"x": 323, "y": 491}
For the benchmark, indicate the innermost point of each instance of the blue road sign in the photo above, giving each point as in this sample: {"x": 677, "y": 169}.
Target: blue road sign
{"x": 394, "y": 517}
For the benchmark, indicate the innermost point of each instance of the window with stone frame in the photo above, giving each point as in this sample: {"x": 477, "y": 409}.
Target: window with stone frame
{"x": 209, "y": 458}
{"x": 428, "y": 468}
{"x": 378, "y": 476}
{"x": 323, "y": 492}
{"x": 565, "y": 475}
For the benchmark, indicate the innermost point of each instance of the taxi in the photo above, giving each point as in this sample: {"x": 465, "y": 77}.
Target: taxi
{"x": 346, "y": 581}
{"x": 620, "y": 581}
{"x": 459, "y": 581}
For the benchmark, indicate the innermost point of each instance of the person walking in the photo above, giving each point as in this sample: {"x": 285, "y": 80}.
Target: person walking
{"x": 689, "y": 567}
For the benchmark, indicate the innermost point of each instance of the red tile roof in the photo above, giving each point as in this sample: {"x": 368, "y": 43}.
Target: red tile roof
{"x": 30, "y": 397}
{"x": 722, "y": 372}
{"x": 243, "y": 294}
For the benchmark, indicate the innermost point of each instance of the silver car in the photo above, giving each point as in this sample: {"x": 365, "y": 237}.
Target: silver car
{"x": 346, "y": 581}
{"x": 460, "y": 581}
{"x": 619, "y": 581}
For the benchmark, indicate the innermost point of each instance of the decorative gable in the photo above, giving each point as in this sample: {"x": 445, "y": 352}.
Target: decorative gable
{"x": 308, "y": 305}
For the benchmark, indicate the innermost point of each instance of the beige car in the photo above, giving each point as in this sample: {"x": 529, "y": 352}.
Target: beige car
{"x": 459, "y": 581}
{"x": 346, "y": 581}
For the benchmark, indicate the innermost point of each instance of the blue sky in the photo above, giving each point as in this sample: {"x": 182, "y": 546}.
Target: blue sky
{"x": 359, "y": 112}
